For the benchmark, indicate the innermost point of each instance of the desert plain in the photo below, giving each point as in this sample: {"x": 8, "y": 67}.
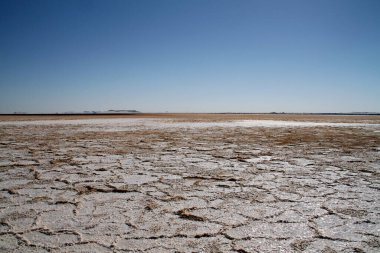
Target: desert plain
{"x": 190, "y": 183}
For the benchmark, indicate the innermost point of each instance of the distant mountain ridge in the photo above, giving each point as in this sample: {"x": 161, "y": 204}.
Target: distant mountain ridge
{"x": 111, "y": 112}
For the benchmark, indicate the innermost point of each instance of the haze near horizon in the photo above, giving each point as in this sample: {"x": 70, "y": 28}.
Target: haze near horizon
{"x": 190, "y": 56}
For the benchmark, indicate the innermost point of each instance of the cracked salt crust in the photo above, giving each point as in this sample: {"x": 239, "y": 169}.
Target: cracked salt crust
{"x": 153, "y": 185}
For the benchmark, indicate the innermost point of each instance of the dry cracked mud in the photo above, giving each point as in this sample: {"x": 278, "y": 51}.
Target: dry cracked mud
{"x": 165, "y": 187}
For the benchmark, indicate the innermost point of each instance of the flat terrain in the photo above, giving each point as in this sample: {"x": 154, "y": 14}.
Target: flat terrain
{"x": 199, "y": 117}
{"x": 190, "y": 183}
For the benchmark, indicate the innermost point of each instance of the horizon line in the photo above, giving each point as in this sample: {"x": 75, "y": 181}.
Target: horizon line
{"x": 134, "y": 112}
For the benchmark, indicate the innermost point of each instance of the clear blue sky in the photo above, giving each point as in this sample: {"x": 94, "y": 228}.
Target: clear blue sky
{"x": 190, "y": 55}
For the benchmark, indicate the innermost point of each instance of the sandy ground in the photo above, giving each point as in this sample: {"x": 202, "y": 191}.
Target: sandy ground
{"x": 190, "y": 184}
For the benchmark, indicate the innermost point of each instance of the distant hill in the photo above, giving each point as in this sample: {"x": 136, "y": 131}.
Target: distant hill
{"x": 112, "y": 112}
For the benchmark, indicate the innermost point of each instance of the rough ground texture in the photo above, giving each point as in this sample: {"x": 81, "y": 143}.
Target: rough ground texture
{"x": 91, "y": 188}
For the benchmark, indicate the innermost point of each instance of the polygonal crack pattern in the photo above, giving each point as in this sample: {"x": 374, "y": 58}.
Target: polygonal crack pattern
{"x": 63, "y": 189}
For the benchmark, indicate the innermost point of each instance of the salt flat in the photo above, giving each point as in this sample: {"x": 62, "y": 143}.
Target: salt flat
{"x": 126, "y": 124}
{"x": 179, "y": 185}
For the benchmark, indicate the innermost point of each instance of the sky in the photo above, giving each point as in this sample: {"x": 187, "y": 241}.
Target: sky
{"x": 190, "y": 55}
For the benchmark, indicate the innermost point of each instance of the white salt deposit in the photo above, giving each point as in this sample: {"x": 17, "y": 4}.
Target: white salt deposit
{"x": 131, "y": 124}
{"x": 270, "y": 123}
